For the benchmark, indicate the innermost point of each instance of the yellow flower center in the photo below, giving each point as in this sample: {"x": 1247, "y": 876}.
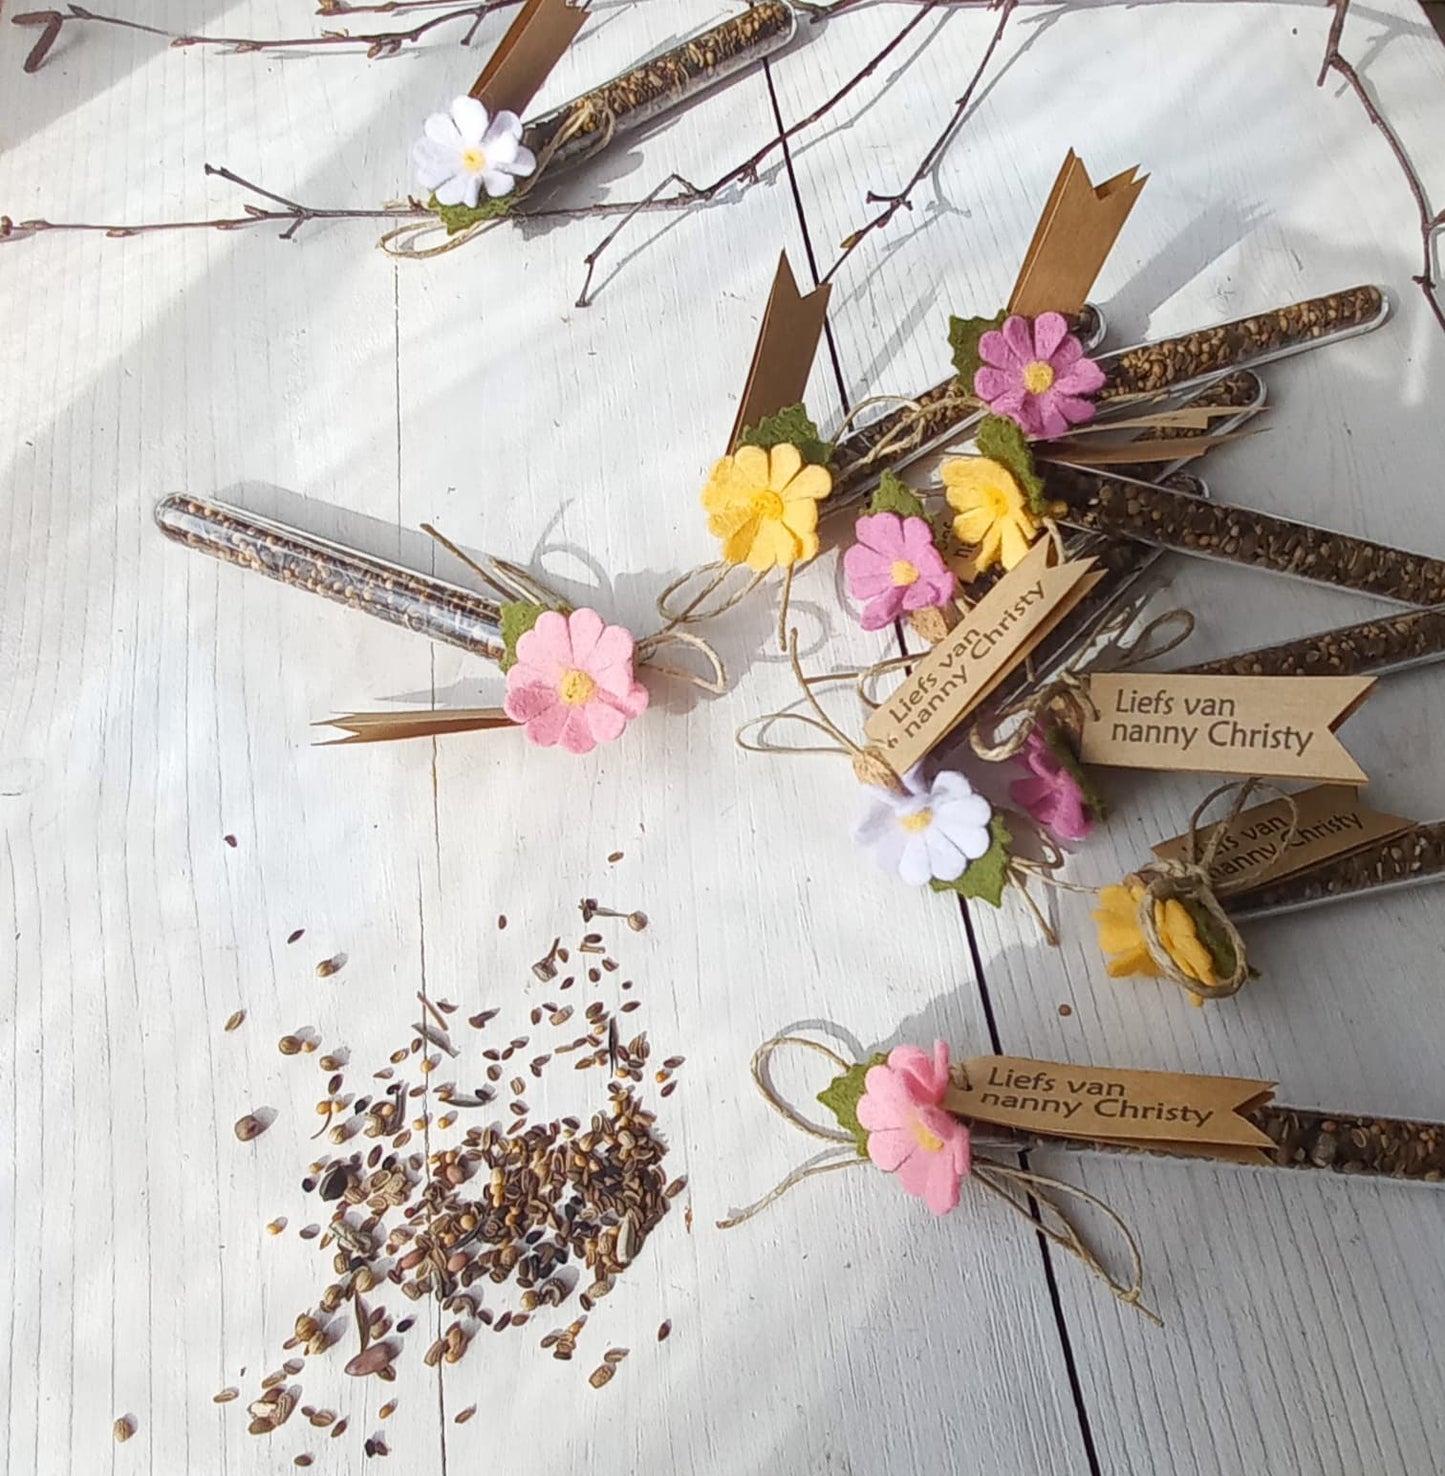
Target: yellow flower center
{"x": 903, "y": 573}
{"x": 474, "y": 160}
{"x": 576, "y": 688}
{"x": 1038, "y": 377}
{"x": 929, "y": 1142}
{"x": 768, "y": 506}
{"x": 918, "y": 820}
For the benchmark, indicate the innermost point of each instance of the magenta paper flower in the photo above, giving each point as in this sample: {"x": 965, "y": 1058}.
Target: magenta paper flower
{"x": 1051, "y": 794}
{"x": 909, "y": 1133}
{"x": 894, "y": 566}
{"x": 1036, "y": 374}
{"x": 572, "y": 683}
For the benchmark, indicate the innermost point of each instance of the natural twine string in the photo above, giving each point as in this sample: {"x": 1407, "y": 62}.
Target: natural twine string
{"x": 398, "y": 241}
{"x": 514, "y": 583}
{"x": 1030, "y": 1195}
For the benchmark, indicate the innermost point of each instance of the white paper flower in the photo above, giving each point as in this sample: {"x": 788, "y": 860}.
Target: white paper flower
{"x": 930, "y": 833}
{"x": 468, "y": 152}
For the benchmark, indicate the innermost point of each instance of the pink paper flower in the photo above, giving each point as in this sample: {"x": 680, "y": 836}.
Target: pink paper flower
{"x": 1051, "y": 794}
{"x": 572, "y": 683}
{"x": 908, "y": 1132}
{"x": 894, "y": 566}
{"x": 1036, "y": 374}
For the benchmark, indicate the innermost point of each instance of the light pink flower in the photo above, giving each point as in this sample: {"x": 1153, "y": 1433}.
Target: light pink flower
{"x": 572, "y": 683}
{"x": 894, "y": 566}
{"x": 1051, "y": 794}
{"x": 908, "y": 1132}
{"x": 1036, "y": 374}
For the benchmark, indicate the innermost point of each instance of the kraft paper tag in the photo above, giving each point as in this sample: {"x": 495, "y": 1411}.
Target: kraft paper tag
{"x": 525, "y": 56}
{"x": 1075, "y": 233}
{"x": 783, "y": 357}
{"x": 1281, "y": 727}
{"x": 1331, "y": 823}
{"x": 986, "y": 644}
{"x": 1141, "y": 1109}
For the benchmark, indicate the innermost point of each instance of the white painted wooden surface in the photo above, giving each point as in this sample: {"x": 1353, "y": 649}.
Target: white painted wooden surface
{"x": 152, "y": 702}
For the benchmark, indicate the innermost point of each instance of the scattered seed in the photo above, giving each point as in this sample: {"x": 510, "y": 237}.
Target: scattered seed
{"x": 502, "y": 922}
{"x": 676, "y": 1187}
{"x": 321, "y": 1418}
{"x": 302, "y": 1460}
{"x": 230, "y": 840}
{"x": 225, "y": 1396}
{"x": 124, "y": 1427}
{"x": 665, "y": 1331}
{"x": 234, "y": 1023}
{"x": 614, "y": 1356}
{"x": 276, "y": 1226}
{"x": 296, "y": 935}
{"x": 463, "y": 1415}
{"x": 673, "y": 1062}
{"x": 600, "y": 1375}
{"x": 248, "y": 1127}
{"x": 387, "y": 1410}
{"x": 669, "y": 1089}
{"x": 290, "y": 1045}
{"x": 1066, "y": 1010}
{"x": 329, "y": 966}
{"x": 339, "y": 1428}
{"x": 615, "y": 857}
{"x": 629, "y": 1005}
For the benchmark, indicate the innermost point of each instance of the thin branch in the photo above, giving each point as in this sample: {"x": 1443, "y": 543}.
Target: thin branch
{"x": 745, "y": 173}
{"x": 1429, "y": 224}
{"x": 377, "y": 43}
{"x": 894, "y": 203}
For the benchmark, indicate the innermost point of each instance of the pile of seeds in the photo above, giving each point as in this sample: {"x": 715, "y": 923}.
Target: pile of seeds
{"x": 553, "y": 1210}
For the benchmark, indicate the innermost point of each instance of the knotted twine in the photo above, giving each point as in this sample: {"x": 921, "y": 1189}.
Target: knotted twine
{"x": 514, "y": 583}
{"x": 398, "y": 241}
{"x": 1028, "y": 1194}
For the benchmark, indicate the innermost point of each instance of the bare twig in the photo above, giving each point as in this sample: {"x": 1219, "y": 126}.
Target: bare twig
{"x": 1429, "y": 224}
{"x": 376, "y": 43}
{"x": 894, "y": 203}
{"x": 745, "y": 173}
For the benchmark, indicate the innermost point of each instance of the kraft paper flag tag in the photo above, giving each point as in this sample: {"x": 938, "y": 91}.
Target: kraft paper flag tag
{"x": 987, "y": 643}
{"x": 525, "y": 56}
{"x": 1329, "y": 823}
{"x": 1075, "y": 233}
{"x": 783, "y": 356}
{"x": 1280, "y": 727}
{"x": 1156, "y": 1109}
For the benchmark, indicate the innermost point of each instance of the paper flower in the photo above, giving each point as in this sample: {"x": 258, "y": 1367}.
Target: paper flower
{"x": 764, "y": 506}
{"x": 993, "y": 513}
{"x": 468, "y": 152}
{"x": 1122, "y": 941}
{"x": 1050, "y": 795}
{"x": 930, "y": 833}
{"x": 909, "y": 1133}
{"x": 572, "y": 682}
{"x": 1037, "y": 375}
{"x": 894, "y": 566}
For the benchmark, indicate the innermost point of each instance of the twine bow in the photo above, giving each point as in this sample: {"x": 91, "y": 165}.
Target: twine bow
{"x": 1032, "y": 1196}
{"x": 1193, "y": 883}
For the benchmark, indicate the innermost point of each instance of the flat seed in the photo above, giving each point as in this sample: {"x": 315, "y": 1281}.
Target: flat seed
{"x": 339, "y": 1428}
{"x": 276, "y": 1226}
{"x": 665, "y": 1331}
{"x": 615, "y": 1356}
{"x": 329, "y": 966}
{"x": 296, "y": 935}
{"x": 234, "y": 1023}
{"x": 302, "y": 1460}
{"x": 248, "y": 1127}
{"x": 123, "y": 1429}
{"x": 463, "y": 1415}
{"x": 630, "y": 1005}
{"x": 226, "y": 1395}
{"x": 290, "y": 1045}
{"x": 387, "y": 1410}
{"x": 600, "y": 1375}
{"x": 322, "y": 1418}
{"x": 371, "y": 1360}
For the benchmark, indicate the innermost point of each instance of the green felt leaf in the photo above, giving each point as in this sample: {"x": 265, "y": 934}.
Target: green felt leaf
{"x": 841, "y": 1097}
{"x": 963, "y": 337}
{"x": 793, "y": 427}
{"x": 1221, "y": 950}
{"x": 894, "y": 495}
{"x": 517, "y": 619}
{"x": 1056, "y": 740}
{"x": 1002, "y": 441}
{"x": 984, "y": 879}
{"x": 457, "y": 218}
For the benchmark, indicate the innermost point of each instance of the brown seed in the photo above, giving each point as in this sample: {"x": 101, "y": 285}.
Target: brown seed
{"x": 226, "y": 1395}
{"x": 615, "y": 857}
{"x": 339, "y": 1428}
{"x": 669, "y": 1089}
{"x": 123, "y": 1429}
{"x": 676, "y": 1187}
{"x": 615, "y": 1355}
{"x": 276, "y": 1226}
{"x": 665, "y": 1331}
{"x": 290, "y": 1045}
{"x": 630, "y": 1005}
{"x": 296, "y": 935}
{"x": 321, "y": 1418}
{"x": 372, "y": 1360}
{"x": 637, "y": 921}
{"x": 234, "y": 1023}
{"x": 248, "y": 1127}
{"x": 387, "y": 1410}
{"x": 302, "y": 1460}
{"x": 230, "y": 840}
{"x": 600, "y": 1375}
{"x": 463, "y": 1415}
{"x": 329, "y": 966}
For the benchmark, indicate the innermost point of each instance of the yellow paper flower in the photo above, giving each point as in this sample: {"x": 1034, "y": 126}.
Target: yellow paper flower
{"x": 764, "y": 506}
{"x": 992, "y": 511}
{"x": 1122, "y": 941}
